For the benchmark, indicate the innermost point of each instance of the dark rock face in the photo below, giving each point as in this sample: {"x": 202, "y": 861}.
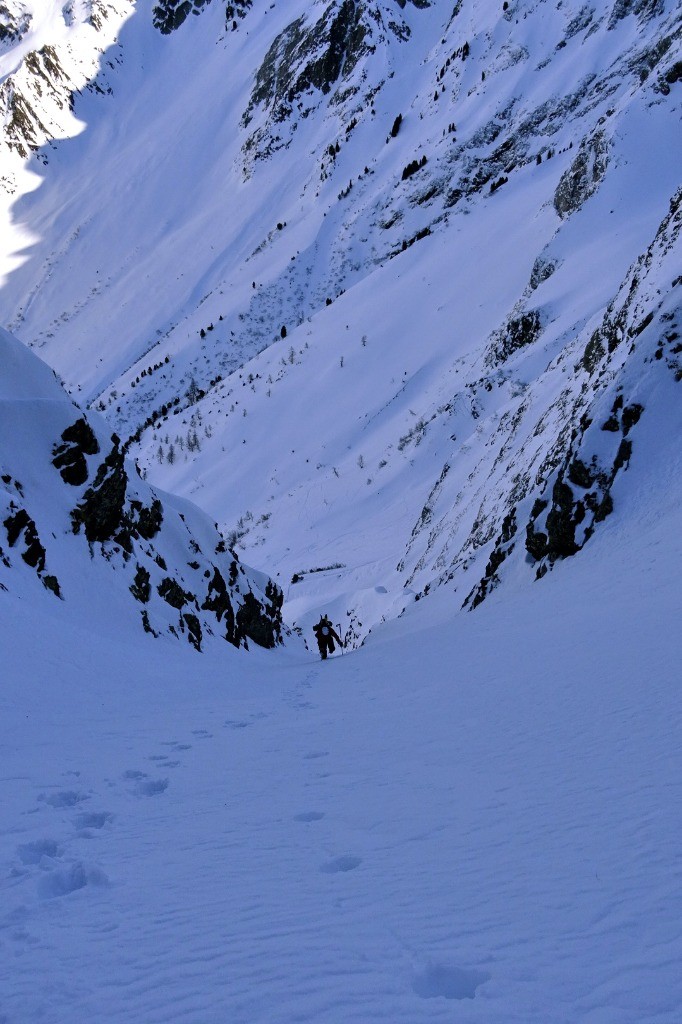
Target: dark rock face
{"x": 630, "y": 416}
{"x": 536, "y": 543}
{"x": 69, "y": 457}
{"x": 169, "y": 15}
{"x": 173, "y": 594}
{"x": 24, "y": 128}
{"x": 236, "y": 9}
{"x": 310, "y": 60}
{"x": 346, "y": 38}
{"x": 643, "y": 9}
{"x": 194, "y": 634}
{"x": 542, "y": 271}
{"x": 141, "y": 587}
{"x": 255, "y": 623}
{"x": 147, "y": 521}
{"x": 583, "y": 177}
{"x": 594, "y": 353}
{"x": 13, "y": 26}
{"x": 51, "y": 583}
{"x": 153, "y": 549}
{"x": 255, "y": 620}
{"x": 577, "y": 478}
{"x": 294, "y": 62}
{"x": 579, "y": 474}
{"x": 107, "y": 514}
{"x": 561, "y": 523}
{"x": 101, "y": 511}
{"x": 504, "y": 545}
{"x": 218, "y": 599}
{"x": 34, "y": 552}
{"x": 570, "y": 512}
{"x": 14, "y": 524}
{"x": 519, "y": 332}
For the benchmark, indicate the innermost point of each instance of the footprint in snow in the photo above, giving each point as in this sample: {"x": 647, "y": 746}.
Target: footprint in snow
{"x": 33, "y": 853}
{"x": 55, "y": 878}
{"x": 69, "y": 879}
{"x": 134, "y": 773}
{"x": 447, "y": 982}
{"x": 202, "y": 734}
{"x": 65, "y": 798}
{"x": 93, "y": 819}
{"x": 344, "y": 863}
{"x": 309, "y": 816}
{"x": 151, "y": 787}
{"x": 234, "y": 724}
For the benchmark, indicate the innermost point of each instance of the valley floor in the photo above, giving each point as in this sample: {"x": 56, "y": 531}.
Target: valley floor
{"x": 474, "y": 818}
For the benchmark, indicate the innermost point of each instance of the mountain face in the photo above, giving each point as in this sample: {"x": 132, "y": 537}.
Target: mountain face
{"x": 389, "y": 289}
{"x": 47, "y": 54}
{"x": 77, "y": 519}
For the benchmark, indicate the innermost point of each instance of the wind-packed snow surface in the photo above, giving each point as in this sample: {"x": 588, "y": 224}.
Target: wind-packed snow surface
{"x": 472, "y": 818}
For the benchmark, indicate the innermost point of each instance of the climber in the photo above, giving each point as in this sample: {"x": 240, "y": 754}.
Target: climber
{"x": 325, "y": 635}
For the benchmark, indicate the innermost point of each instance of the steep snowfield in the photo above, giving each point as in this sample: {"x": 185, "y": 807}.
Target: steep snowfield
{"x": 471, "y": 818}
{"x": 390, "y": 434}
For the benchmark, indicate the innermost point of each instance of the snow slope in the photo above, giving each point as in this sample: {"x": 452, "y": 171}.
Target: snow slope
{"x": 471, "y": 818}
{"x": 425, "y": 387}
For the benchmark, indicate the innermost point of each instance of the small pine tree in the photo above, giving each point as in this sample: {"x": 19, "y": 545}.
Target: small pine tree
{"x": 192, "y": 392}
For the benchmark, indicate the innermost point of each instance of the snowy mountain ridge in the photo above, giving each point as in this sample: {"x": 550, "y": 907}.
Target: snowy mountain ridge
{"x": 48, "y": 53}
{"x": 418, "y": 262}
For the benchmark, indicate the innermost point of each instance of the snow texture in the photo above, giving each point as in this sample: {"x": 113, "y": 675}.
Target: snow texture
{"x": 407, "y": 332}
{"x": 474, "y": 816}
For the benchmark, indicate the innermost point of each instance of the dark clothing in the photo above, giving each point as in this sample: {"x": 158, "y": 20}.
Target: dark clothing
{"x": 325, "y": 635}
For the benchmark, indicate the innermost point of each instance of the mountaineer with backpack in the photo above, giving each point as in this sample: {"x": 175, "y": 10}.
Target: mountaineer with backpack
{"x": 325, "y": 635}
